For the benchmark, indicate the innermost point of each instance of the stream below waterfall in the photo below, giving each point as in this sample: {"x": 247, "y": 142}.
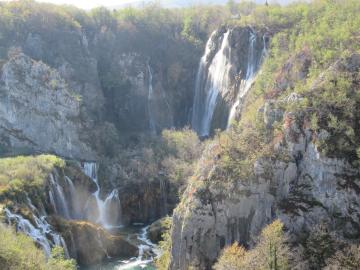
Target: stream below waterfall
{"x": 148, "y": 251}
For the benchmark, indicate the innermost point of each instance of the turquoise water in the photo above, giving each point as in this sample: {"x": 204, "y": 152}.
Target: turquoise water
{"x": 120, "y": 265}
{"x": 136, "y": 235}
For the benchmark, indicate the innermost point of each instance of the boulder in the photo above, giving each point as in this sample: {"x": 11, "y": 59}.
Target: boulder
{"x": 157, "y": 229}
{"x": 90, "y": 244}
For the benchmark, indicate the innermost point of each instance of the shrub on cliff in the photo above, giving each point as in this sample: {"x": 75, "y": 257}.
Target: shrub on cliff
{"x": 271, "y": 252}
{"x": 182, "y": 149}
{"x": 232, "y": 258}
{"x": 24, "y": 176}
{"x": 348, "y": 258}
{"x": 18, "y": 252}
{"x": 163, "y": 262}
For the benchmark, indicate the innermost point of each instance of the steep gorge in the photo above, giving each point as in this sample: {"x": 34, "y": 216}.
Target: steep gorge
{"x": 101, "y": 101}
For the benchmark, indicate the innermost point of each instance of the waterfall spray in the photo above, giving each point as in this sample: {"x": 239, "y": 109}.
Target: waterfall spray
{"x": 214, "y": 77}
{"x": 39, "y": 232}
{"x": 209, "y": 85}
{"x": 105, "y": 218}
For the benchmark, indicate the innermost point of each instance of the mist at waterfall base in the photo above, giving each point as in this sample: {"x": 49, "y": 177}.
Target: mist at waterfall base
{"x": 71, "y": 201}
{"x": 135, "y": 234}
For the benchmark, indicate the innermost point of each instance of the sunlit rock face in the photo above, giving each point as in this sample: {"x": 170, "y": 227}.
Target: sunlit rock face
{"x": 38, "y": 111}
{"x": 70, "y": 53}
{"x": 301, "y": 187}
{"x": 302, "y": 192}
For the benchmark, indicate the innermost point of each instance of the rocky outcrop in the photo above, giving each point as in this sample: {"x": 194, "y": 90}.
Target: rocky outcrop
{"x": 157, "y": 228}
{"x": 91, "y": 244}
{"x": 38, "y": 111}
{"x": 301, "y": 192}
{"x": 68, "y": 51}
{"x": 138, "y": 94}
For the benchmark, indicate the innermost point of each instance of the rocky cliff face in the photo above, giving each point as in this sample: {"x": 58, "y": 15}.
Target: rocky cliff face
{"x": 115, "y": 88}
{"x": 302, "y": 192}
{"x": 140, "y": 95}
{"x": 39, "y": 111}
{"x": 300, "y": 186}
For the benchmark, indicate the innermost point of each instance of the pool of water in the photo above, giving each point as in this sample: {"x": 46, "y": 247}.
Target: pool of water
{"x": 148, "y": 251}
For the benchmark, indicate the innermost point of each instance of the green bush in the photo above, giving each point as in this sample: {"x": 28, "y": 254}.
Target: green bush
{"x": 271, "y": 252}
{"x": 163, "y": 262}
{"x": 24, "y": 176}
{"x": 18, "y": 252}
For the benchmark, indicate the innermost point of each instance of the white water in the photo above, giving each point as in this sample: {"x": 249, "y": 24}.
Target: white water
{"x": 152, "y": 122}
{"x": 247, "y": 82}
{"x": 217, "y": 80}
{"x": 213, "y": 78}
{"x": 57, "y": 198}
{"x": 105, "y": 216}
{"x": 38, "y": 233}
{"x": 251, "y": 70}
{"x": 147, "y": 252}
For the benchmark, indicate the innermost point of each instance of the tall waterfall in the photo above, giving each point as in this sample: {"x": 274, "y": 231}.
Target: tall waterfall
{"x": 109, "y": 210}
{"x": 152, "y": 123}
{"x": 246, "y": 82}
{"x": 209, "y": 85}
{"x": 218, "y": 78}
{"x": 40, "y": 232}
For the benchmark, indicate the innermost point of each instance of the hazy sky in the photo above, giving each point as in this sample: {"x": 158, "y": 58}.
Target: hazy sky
{"x": 88, "y": 4}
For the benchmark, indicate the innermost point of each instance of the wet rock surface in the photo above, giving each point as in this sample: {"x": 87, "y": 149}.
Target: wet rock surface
{"x": 91, "y": 244}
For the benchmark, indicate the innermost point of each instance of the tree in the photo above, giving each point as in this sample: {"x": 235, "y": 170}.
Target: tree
{"x": 232, "y": 258}
{"x": 270, "y": 253}
{"x": 57, "y": 260}
{"x": 272, "y": 249}
{"x": 233, "y": 7}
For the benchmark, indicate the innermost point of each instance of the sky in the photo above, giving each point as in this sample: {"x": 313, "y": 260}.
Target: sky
{"x": 88, "y": 4}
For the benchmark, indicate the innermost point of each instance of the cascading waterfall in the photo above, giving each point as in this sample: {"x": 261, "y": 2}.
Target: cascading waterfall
{"x": 72, "y": 196}
{"x": 147, "y": 252}
{"x": 37, "y": 232}
{"x": 108, "y": 209}
{"x": 245, "y": 83}
{"x": 152, "y": 122}
{"x": 216, "y": 77}
{"x": 57, "y": 198}
{"x": 251, "y": 69}
{"x": 210, "y": 85}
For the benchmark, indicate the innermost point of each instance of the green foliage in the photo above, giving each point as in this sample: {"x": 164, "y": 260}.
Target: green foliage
{"x": 232, "y": 258}
{"x": 163, "y": 262}
{"x": 319, "y": 247}
{"x": 182, "y": 148}
{"x": 183, "y": 144}
{"x": 18, "y": 252}
{"x": 57, "y": 260}
{"x": 24, "y": 176}
{"x": 236, "y": 152}
{"x": 270, "y": 253}
{"x": 310, "y": 46}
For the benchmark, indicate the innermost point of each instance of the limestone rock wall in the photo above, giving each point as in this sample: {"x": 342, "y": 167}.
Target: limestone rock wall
{"x": 39, "y": 111}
